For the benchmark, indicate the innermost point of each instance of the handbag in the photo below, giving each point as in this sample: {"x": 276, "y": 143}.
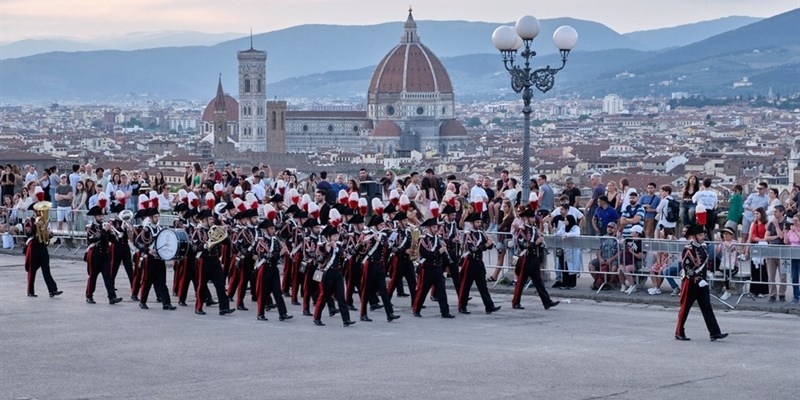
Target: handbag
{"x": 303, "y": 266}
{"x": 318, "y": 275}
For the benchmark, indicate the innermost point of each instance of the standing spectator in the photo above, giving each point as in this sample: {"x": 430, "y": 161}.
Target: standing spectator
{"x": 478, "y": 194}
{"x": 352, "y": 186}
{"x": 93, "y": 198}
{"x": 327, "y": 188}
{"x": 75, "y": 177}
{"x": 773, "y": 202}
{"x": 364, "y": 176}
{"x": 665, "y": 227}
{"x": 31, "y": 174}
{"x": 101, "y": 177}
{"x": 487, "y": 187}
{"x": 187, "y": 176}
{"x": 7, "y": 180}
{"x": 197, "y": 176}
{"x": 503, "y": 238}
{"x": 598, "y": 189}
{"x": 55, "y": 180}
{"x": 125, "y": 187}
{"x": 754, "y": 201}
{"x": 793, "y": 202}
{"x": 708, "y": 198}
{"x": 44, "y": 183}
{"x": 63, "y": 197}
{"x": 158, "y": 181}
{"x": 612, "y": 192}
{"x": 735, "y": 209}
{"x": 626, "y": 189}
{"x": 89, "y": 189}
{"x": 650, "y": 202}
{"x": 691, "y": 187}
{"x": 497, "y": 201}
{"x": 164, "y": 198}
{"x": 604, "y": 215}
{"x": 758, "y": 272}
{"x": 547, "y": 197}
{"x": 144, "y": 180}
{"x": 572, "y": 192}
{"x": 88, "y": 173}
{"x": 512, "y": 194}
{"x": 79, "y": 201}
{"x": 776, "y": 232}
{"x": 18, "y": 178}
{"x": 113, "y": 185}
{"x": 340, "y": 184}
{"x": 792, "y": 238}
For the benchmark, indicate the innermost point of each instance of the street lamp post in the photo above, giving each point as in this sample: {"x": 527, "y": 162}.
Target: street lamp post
{"x": 508, "y": 40}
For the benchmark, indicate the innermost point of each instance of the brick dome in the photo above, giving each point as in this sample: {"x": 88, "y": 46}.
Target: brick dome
{"x": 410, "y": 67}
{"x": 386, "y": 129}
{"x": 231, "y": 109}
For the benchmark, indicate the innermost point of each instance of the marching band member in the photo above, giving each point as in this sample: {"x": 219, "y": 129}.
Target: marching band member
{"x": 121, "y": 249}
{"x": 268, "y": 279}
{"x": 138, "y": 259}
{"x": 695, "y": 286}
{"x": 472, "y": 267}
{"x": 433, "y": 252}
{"x": 310, "y": 259}
{"x": 36, "y": 255}
{"x": 449, "y": 229}
{"x": 208, "y": 267}
{"x": 246, "y": 245}
{"x": 373, "y": 279}
{"x": 355, "y": 243}
{"x": 154, "y": 271}
{"x": 188, "y": 265}
{"x": 530, "y": 243}
{"x": 100, "y": 236}
{"x": 402, "y": 266}
{"x": 332, "y": 283}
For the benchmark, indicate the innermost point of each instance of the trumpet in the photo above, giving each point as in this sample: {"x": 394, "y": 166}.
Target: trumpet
{"x": 109, "y": 226}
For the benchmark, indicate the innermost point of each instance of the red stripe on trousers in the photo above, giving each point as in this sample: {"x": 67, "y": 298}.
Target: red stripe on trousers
{"x": 419, "y": 299}
{"x": 89, "y": 255}
{"x": 462, "y": 297}
{"x": 522, "y": 278}
{"x": 198, "y": 302}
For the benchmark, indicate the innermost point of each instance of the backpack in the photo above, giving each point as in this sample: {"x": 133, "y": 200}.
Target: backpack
{"x": 673, "y": 210}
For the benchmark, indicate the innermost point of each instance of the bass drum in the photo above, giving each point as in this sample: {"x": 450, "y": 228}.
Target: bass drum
{"x": 172, "y": 244}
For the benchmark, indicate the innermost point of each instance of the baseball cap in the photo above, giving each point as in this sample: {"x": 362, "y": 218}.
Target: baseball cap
{"x": 63, "y": 175}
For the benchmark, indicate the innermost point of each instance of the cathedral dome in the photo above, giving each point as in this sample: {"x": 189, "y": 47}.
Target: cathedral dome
{"x": 221, "y": 102}
{"x": 410, "y": 67}
{"x": 386, "y": 129}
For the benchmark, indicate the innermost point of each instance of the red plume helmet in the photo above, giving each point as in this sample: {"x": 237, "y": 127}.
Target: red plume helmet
{"x": 342, "y": 197}
{"x": 363, "y": 206}
{"x": 435, "y": 209}
{"x": 194, "y": 202}
{"x": 218, "y": 190}
{"x": 39, "y": 192}
{"x": 294, "y": 196}
{"x": 394, "y": 197}
{"x": 313, "y": 210}
{"x": 102, "y": 200}
{"x": 377, "y": 206}
{"x": 305, "y": 202}
{"x": 334, "y": 217}
{"x": 269, "y": 211}
{"x": 533, "y": 200}
{"x": 210, "y": 201}
{"x": 282, "y": 187}
{"x": 120, "y": 196}
{"x": 353, "y": 200}
{"x": 405, "y": 203}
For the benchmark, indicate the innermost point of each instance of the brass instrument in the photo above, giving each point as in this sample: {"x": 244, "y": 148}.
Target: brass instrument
{"x": 41, "y": 223}
{"x": 216, "y": 235}
{"x": 415, "y": 235}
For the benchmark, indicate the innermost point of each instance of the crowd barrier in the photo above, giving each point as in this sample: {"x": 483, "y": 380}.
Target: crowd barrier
{"x": 76, "y": 238}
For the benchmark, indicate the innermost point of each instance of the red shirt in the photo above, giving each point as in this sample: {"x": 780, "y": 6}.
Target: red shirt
{"x": 757, "y": 232}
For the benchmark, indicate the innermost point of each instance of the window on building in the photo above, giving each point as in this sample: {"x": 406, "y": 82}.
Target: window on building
{"x": 274, "y": 121}
{"x": 258, "y": 85}
{"x": 246, "y": 84}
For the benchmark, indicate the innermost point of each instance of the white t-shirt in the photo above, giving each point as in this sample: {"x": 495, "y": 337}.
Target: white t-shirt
{"x": 706, "y": 197}
{"x": 477, "y": 194}
{"x": 661, "y": 213}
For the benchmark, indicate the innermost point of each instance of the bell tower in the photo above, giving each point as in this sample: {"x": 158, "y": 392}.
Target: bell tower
{"x": 792, "y": 162}
{"x": 252, "y": 99}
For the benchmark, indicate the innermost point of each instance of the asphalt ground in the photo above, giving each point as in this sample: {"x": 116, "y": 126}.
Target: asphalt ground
{"x": 63, "y": 348}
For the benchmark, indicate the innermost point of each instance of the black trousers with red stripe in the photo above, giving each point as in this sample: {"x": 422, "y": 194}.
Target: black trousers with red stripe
{"x": 691, "y": 292}
{"x": 154, "y": 274}
{"x": 121, "y": 254}
{"x": 268, "y": 283}
{"x": 530, "y": 268}
{"x": 332, "y": 285}
{"x": 189, "y": 273}
{"x": 430, "y": 276}
{"x": 403, "y": 268}
{"x": 36, "y": 257}
{"x": 99, "y": 263}
{"x": 244, "y": 278}
{"x": 473, "y": 270}
{"x": 310, "y": 287}
{"x": 209, "y": 269}
{"x": 373, "y": 281}
{"x": 138, "y": 274}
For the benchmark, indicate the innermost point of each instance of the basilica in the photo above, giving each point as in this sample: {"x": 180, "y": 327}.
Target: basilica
{"x": 410, "y": 106}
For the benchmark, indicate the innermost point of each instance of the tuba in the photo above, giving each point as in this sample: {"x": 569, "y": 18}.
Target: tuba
{"x": 42, "y": 210}
{"x": 415, "y": 235}
{"x": 216, "y": 235}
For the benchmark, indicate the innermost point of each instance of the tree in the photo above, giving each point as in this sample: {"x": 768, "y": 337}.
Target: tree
{"x": 474, "y": 122}
{"x": 496, "y": 120}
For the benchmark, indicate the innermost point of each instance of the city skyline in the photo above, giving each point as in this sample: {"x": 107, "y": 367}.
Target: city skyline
{"x": 93, "y": 19}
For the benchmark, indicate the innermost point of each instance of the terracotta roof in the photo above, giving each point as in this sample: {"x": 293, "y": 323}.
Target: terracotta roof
{"x": 325, "y": 114}
{"x": 386, "y": 129}
{"x": 231, "y": 109}
{"x": 452, "y": 128}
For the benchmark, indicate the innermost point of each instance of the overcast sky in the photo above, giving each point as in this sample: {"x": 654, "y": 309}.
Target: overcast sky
{"x": 87, "y": 19}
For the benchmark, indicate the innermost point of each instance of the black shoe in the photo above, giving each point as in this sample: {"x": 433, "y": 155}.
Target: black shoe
{"x": 782, "y": 299}
{"x": 169, "y": 307}
{"x": 318, "y": 322}
{"x": 287, "y": 294}
{"x": 493, "y": 309}
{"x": 115, "y": 300}
{"x": 294, "y": 303}
{"x": 517, "y": 307}
{"x": 375, "y": 307}
{"x": 552, "y": 304}
{"x": 143, "y": 306}
{"x": 33, "y": 295}
{"x": 448, "y": 315}
{"x": 365, "y": 318}
{"x": 261, "y": 318}
{"x": 307, "y": 313}
{"x": 90, "y": 300}
{"x": 134, "y": 298}
{"x": 158, "y": 299}
{"x": 771, "y": 299}
{"x": 416, "y": 314}
{"x": 352, "y": 308}
{"x": 464, "y": 311}
{"x": 211, "y": 303}
{"x": 556, "y": 285}
{"x": 392, "y": 317}
{"x": 201, "y": 312}
{"x": 182, "y": 304}
{"x": 348, "y": 323}
{"x": 269, "y": 307}
{"x": 682, "y": 337}
{"x": 242, "y": 308}
{"x": 285, "y": 317}
{"x": 230, "y": 299}
{"x": 228, "y": 311}
{"x": 719, "y": 336}
{"x": 333, "y": 312}
{"x": 54, "y": 294}
{"x": 403, "y": 295}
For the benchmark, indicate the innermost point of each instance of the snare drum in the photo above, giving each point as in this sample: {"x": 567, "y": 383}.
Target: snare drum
{"x": 172, "y": 244}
